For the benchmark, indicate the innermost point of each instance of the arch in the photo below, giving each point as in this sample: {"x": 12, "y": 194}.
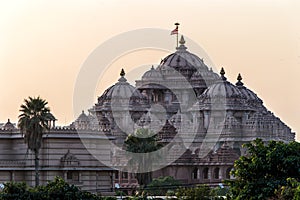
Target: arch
{"x": 195, "y": 173}
{"x": 205, "y": 173}
{"x": 217, "y": 173}
{"x": 117, "y": 174}
{"x": 228, "y": 170}
{"x": 125, "y": 175}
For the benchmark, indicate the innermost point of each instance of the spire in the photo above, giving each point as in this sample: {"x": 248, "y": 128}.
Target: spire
{"x": 239, "y": 78}
{"x": 152, "y": 68}
{"x": 182, "y": 47}
{"x": 122, "y": 74}
{"x": 182, "y": 41}
{"x": 222, "y": 72}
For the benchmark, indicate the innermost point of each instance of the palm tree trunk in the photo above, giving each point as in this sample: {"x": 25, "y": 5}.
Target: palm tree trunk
{"x": 37, "y": 174}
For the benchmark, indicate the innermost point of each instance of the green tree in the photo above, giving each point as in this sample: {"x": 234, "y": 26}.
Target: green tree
{"x": 33, "y": 122}
{"x": 142, "y": 141}
{"x": 56, "y": 189}
{"x": 289, "y": 192}
{"x": 163, "y": 185}
{"x": 194, "y": 193}
{"x": 14, "y": 191}
{"x": 264, "y": 169}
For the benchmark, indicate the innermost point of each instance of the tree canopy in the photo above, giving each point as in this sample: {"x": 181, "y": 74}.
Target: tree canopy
{"x": 33, "y": 121}
{"x": 163, "y": 185}
{"x": 56, "y": 189}
{"x": 264, "y": 169}
{"x": 142, "y": 141}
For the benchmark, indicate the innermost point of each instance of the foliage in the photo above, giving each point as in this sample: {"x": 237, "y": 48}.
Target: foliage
{"x": 56, "y": 189}
{"x": 142, "y": 141}
{"x": 264, "y": 169}
{"x": 33, "y": 121}
{"x": 163, "y": 185}
{"x": 219, "y": 192}
{"x": 14, "y": 191}
{"x": 289, "y": 192}
{"x": 192, "y": 193}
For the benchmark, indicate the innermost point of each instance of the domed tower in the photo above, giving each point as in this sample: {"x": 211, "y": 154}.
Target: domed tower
{"x": 177, "y": 81}
{"x": 182, "y": 61}
{"x": 82, "y": 122}
{"x": 9, "y": 126}
{"x": 222, "y": 95}
{"x": 222, "y": 108}
{"x": 119, "y": 107}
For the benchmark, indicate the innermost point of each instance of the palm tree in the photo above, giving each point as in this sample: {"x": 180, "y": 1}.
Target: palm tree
{"x": 142, "y": 141}
{"x": 33, "y": 122}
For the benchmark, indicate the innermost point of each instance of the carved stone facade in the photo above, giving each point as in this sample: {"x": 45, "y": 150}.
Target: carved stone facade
{"x": 181, "y": 96}
{"x": 62, "y": 154}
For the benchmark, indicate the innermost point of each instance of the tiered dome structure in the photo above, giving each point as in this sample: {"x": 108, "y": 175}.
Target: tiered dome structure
{"x": 189, "y": 99}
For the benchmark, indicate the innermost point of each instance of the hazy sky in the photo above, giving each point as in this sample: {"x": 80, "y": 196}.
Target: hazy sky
{"x": 44, "y": 43}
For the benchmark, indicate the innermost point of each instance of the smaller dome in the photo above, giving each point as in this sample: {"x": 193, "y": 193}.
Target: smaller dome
{"x": 122, "y": 95}
{"x": 83, "y": 117}
{"x": 152, "y": 75}
{"x": 9, "y": 125}
{"x": 221, "y": 95}
{"x": 223, "y": 88}
{"x": 122, "y": 89}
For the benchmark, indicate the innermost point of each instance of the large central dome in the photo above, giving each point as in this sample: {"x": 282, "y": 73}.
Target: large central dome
{"x": 183, "y": 61}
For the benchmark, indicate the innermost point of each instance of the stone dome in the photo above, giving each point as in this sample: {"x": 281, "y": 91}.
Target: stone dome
{"x": 120, "y": 95}
{"x": 222, "y": 94}
{"x": 121, "y": 90}
{"x": 183, "y": 61}
{"x": 83, "y": 117}
{"x": 222, "y": 88}
{"x": 152, "y": 75}
{"x": 9, "y": 126}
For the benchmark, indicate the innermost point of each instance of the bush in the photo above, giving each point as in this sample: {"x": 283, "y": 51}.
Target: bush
{"x": 56, "y": 189}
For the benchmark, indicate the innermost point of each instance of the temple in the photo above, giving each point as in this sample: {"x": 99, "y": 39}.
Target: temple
{"x": 198, "y": 115}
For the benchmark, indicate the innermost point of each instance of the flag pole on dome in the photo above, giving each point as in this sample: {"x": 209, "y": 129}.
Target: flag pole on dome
{"x": 175, "y": 31}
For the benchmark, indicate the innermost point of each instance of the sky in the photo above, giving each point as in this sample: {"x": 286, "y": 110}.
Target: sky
{"x": 43, "y": 45}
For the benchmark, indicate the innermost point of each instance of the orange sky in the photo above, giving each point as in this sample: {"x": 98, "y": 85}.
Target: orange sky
{"x": 44, "y": 43}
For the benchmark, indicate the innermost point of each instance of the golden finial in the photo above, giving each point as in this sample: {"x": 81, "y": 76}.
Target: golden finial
{"x": 239, "y": 78}
{"x": 182, "y": 41}
{"x": 122, "y": 73}
{"x": 222, "y": 72}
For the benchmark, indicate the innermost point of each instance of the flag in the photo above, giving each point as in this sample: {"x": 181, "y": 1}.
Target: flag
{"x": 175, "y": 31}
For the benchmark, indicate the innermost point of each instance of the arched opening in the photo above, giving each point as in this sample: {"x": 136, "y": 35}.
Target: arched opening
{"x": 217, "y": 173}
{"x": 117, "y": 174}
{"x": 73, "y": 176}
{"x": 125, "y": 175}
{"x": 205, "y": 173}
{"x": 195, "y": 173}
{"x": 228, "y": 170}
